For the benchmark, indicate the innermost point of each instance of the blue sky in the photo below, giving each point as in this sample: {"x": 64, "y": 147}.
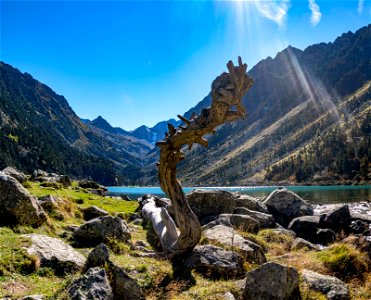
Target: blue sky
{"x": 141, "y": 62}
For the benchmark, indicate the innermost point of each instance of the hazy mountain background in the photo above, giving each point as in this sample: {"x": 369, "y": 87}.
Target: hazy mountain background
{"x": 308, "y": 121}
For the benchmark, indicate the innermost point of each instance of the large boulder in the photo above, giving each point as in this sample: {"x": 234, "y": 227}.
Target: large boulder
{"x": 338, "y": 219}
{"x": 265, "y": 220}
{"x": 216, "y": 262}
{"x": 272, "y": 281}
{"x": 251, "y": 203}
{"x": 55, "y": 254}
{"x": 305, "y": 227}
{"x": 19, "y": 176}
{"x": 332, "y": 287}
{"x": 92, "y": 285}
{"x": 229, "y": 237}
{"x": 101, "y": 229}
{"x": 17, "y": 205}
{"x": 285, "y": 205}
{"x": 93, "y": 212}
{"x": 206, "y": 203}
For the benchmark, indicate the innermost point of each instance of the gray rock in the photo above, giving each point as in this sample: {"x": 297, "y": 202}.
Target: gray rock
{"x": 42, "y": 176}
{"x": 251, "y": 203}
{"x": 100, "y": 229}
{"x": 19, "y": 176}
{"x": 93, "y": 285}
{"x": 265, "y": 220}
{"x": 123, "y": 286}
{"x": 17, "y": 205}
{"x": 229, "y": 237}
{"x": 332, "y": 287}
{"x": 305, "y": 227}
{"x": 55, "y": 253}
{"x": 98, "y": 257}
{"x": 337, "y": 219}
{"x": 272, "y": 281}
{"x": 228, "y": 296}
{"x": 205, "y": 203}
{"x": 218, "y": 221}
{"x": 362, "y": 243}
{"x": 285, "y": 205}
{"x": 216, "y": 262}
{"x": 300, "y": 243}
{"x": 325, "y": 236}
{"x": 93, "y": 212}
{"x": 242, "y": 222}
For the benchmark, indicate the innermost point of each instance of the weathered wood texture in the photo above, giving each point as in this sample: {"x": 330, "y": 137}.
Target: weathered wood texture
{"x": 227, "y": 91}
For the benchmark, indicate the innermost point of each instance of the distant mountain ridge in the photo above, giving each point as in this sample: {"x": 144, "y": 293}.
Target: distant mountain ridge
{"x": 308, "y": 121}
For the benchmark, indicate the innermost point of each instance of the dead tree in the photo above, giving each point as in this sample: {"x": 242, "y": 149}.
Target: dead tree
{"x": 227, "y": 91}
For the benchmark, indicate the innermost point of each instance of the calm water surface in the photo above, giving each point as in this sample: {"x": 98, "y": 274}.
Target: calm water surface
{"x": 315, "y": 194}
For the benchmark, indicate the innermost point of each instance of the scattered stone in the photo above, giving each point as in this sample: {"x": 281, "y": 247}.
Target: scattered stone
{"x": 89, "y": 184}
{"x": 325, "y": 236}
{"x": 337, "y": 219}
{"x": 272, "y": 281}
{"x": 100, "y": 229}
{"x": 216, "y": 262}
{"x": 205, "y": 203}
{"x": 285, "y": 205}
{"x": 228, "y": 296}
{"x": 125, "y": 197}
{"x": 360, "y": 227}
{"x": 55, "y": 254}
{"x": 93, "y": 212}
{"x": 17, "y": 205}
{"x": 300, "y": 243}
{"x": 251, "y": 203}
{"x": 98, "y": 257}
{"x": 332, "y": 287}
{"x": 93, "y": 285}
{"x": 45, "y": 177}
{"x": 19, "y": 176}
{"x": 265, "y": 220}
{"x": 229, "y": 237}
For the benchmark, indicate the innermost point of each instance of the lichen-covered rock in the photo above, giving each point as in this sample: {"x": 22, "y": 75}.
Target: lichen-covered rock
{"x": 332, "y": 287}
{"x": 17, "y": 205}
{"x": 19, "y": 176}
{"x": 93, "y": 212}
{"x": 48, "y": 203}
{"x": 272, "y": 281}
{"x": 92, "y": 285}
{"x": 265, "y": 220}
{"x": 229, "y": 237}
{"x": 285, "y": 205}
{"x": 216, "y": 262}
{"x": 100, "y": 229}
{"x": 251, "y": 203}
{"x": 55, "y": 253}
{"x": 205, "y": 203}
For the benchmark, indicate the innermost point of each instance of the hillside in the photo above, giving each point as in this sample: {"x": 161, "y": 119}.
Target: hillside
{"x": 39, "y": 130}
{"x": 298, "y": 98}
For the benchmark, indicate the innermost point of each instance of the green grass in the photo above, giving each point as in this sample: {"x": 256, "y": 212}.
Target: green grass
{"x": 345, "y": 260}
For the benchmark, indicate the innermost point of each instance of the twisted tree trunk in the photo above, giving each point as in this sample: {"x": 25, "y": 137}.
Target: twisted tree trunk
{"x": 227, "y": 91}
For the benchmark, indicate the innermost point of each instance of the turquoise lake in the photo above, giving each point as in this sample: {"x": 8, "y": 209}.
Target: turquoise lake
{"x": 314, "y": 194}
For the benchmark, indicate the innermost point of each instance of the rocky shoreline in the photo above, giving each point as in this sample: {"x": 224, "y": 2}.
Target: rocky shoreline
{"x": 280, "y": 247}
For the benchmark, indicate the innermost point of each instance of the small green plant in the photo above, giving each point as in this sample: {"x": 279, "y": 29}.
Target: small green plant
{"x": 345, "y": 260}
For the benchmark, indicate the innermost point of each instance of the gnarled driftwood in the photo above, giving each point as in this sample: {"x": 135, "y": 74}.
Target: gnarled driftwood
{"x": 227, "y": 91}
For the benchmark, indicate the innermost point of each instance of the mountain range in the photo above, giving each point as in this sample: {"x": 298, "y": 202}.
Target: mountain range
{"x": 308, "y": 121}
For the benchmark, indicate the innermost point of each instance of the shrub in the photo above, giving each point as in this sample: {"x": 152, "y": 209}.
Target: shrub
{"x": 345, "y": 260}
